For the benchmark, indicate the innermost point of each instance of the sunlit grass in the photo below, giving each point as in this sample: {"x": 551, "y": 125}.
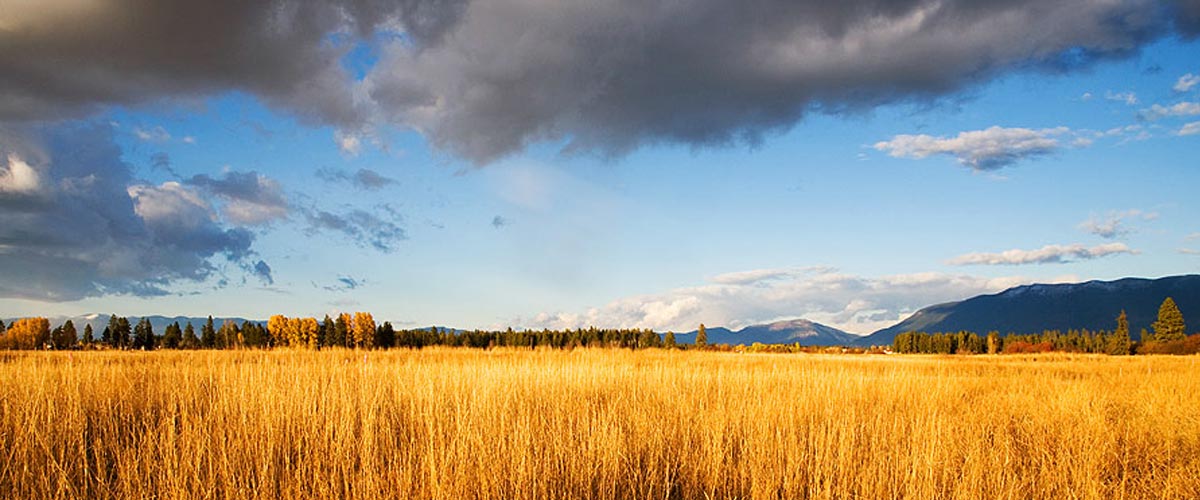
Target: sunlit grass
{"x": 455, "y": 424}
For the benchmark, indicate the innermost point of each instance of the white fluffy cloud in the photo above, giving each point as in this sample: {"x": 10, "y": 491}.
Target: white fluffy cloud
{"x": 987, "y": 149}
{"x": 18, "y": 177}
{"x": 1049, "y": 254}
{"x": 1186, "y": 82}
{"x": 1178, "y": 109}
{"x": 855, "y": 304}
{"x": 1192, "y": 128}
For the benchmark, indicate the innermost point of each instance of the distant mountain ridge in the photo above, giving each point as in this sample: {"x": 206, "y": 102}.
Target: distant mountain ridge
{"x": 805, "y": 332}
{"x": 1093, "y": 305}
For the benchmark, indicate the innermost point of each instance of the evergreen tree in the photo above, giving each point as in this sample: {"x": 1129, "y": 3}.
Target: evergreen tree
{"x": 110, "y": 331}
{"x": 143, "y": 335}
{"x": 172, "y": 336}
{"x": 208, "y": 334}
{"x": 649, "y": 339}
{"x": 1119, "y": 343}
{"x": 69, "y": 335}
{"x": 324, "y": 331}
{"x": 2, "y": 328}
{"x": 1170, "y": 324}
{"x": 701, "y": 336}
{"x": 189, "y": 340}
{"x": 385, "y": 336}
{"x": 122, "y": 335}
{"x": 341, "y": 331}
{"x": 669, "y": 341}
{"x": 87, "y": 335}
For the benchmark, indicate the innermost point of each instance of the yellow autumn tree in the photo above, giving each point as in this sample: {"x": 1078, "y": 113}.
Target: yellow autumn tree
{"x": 307, "y": 332}
{"x": 277, "y": 327}
{"x": 27, "y": 333}
{"x": 363, "y": 330}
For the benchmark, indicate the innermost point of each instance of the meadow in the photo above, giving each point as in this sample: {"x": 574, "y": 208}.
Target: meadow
{"x": 445, "y": 423}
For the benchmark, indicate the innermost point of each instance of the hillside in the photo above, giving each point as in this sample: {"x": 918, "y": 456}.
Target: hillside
{"x": 1093, "y": 305}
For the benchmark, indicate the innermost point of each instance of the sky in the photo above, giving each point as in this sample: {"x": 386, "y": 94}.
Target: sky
{"x": 575, "y": 163}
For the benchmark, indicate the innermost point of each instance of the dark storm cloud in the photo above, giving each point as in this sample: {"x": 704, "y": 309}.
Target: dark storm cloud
{"x": 486, "y": 79}
{"x": 62, "y": 59}
{"x": 76, "y": 224}
{"x": 365, "y": 179}
{"x": 611, "y": 75}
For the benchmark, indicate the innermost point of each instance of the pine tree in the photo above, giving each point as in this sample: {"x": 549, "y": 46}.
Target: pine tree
{"x": 2, "y": 328}
{"x": 189, "y": 340}
{"x": 1119, "y": 343}
{"x": 122, "y": 334}
{"x": 385, "y": 336}
{"x": 701, "y": 336}
{"x": 87, "y": 335}
{"x": 143, "y": 337}
{"x": 172, "y": 336}
{"x": 208, "y": 334}
{"x": 669, "y": 341}
{"x": 341, "y": 331}
{"x": 1170, "y": 324}
{"x": 110, "y": 331}
{"x": 69, "y": 335}
{"x": 325, "y": 331}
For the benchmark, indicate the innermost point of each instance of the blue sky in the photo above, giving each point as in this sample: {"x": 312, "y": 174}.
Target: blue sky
{"x": 859, "y": 204}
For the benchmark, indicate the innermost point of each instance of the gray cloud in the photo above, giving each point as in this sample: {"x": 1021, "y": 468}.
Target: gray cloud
{"x": 1049, "y": 254}
{"x": 499, "y": 222}
{"x": 76, "y": 224}
{"x": 249, "y": 197}
{"x": 609, "y": 77}
{"x": 1114, "y": 225}
{"x": 380, "y": 230}
{"x": 344, "y": 284}
{"x": 263, "y": 272}
{"x": 486, "y": 79}
{"x": 365, "y": 179}
{"x": 65, "y": 59}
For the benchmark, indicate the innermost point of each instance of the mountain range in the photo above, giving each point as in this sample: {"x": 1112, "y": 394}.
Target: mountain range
{"x": 780, "y": 332}
{"x": 1093, "y": 305}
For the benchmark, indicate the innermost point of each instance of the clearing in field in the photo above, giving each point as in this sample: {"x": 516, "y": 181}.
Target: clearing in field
{"x": 594, "y": 423}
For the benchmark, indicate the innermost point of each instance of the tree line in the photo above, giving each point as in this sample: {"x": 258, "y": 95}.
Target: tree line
{"x": 1167, "y": 335}
{"x": 356, "y": 331}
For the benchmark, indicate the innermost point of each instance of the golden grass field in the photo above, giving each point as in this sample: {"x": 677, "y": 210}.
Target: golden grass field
{"x": 591, "y": 423}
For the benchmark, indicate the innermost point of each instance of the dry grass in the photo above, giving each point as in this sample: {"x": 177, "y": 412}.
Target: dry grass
{"x": 460, "y": 424}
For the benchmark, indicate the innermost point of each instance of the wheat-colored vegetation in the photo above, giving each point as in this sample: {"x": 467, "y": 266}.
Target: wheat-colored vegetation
{"x": 595, "y": 423}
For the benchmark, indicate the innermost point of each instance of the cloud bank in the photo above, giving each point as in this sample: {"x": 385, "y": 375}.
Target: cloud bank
{"x": 482, "y": 80}
{"x": 856, "y": 304}
{"x": 74, "y": 223}
{"x": 1049, "y": 254}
